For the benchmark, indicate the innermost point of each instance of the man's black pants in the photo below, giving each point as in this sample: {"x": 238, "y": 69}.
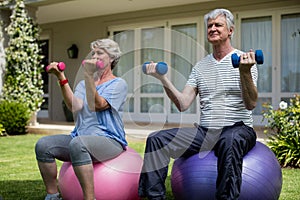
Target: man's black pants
{"x": 230, "y": 145}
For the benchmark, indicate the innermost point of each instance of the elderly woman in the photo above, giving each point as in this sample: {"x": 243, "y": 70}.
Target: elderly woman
{"x": 97, "y": 103}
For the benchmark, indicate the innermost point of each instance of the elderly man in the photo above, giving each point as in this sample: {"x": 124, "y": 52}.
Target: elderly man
{"x": 227, "y": 96}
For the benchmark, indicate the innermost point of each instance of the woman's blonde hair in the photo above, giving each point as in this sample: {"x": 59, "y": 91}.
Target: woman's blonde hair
{"x": 111, "y": 47}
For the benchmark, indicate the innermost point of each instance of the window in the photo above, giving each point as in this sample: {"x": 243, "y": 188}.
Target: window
{"x": 43, "y": 113}
{"x": 255, "y": 34}
{"x": 125, "y": 68}
{"x": 290, "y": 51}
{"x": 175, "y": 44}
{"x": 183, "y": 58}
{"x": 277, "y": 33}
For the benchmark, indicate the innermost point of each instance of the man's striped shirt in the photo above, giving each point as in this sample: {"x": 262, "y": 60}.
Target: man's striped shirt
{"x": 219, "y": 88}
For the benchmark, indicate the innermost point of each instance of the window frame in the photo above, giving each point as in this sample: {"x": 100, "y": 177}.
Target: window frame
{"x": 167, "y": 116}
{"x": 276, "y": 95}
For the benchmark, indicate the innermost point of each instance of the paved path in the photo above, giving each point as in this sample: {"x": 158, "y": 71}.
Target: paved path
{"x": 137, "y": 131}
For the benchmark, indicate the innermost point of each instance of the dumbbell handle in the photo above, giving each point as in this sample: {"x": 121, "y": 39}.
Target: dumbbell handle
{"x": 99, "y": 64}
{"x": 61, "y": 66}
{"x": 161, "y": 68}
{"x": 259, "y": 58}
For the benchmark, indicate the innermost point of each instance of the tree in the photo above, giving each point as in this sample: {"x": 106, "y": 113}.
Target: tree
{"x": 2, "y": 58}
{"x": 23, "y": 80}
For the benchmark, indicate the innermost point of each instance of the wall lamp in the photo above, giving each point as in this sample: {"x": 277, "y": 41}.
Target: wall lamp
{"x": 73, "y": 51}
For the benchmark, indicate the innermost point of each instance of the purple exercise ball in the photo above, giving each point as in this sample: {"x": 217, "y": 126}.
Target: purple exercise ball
{"x": 195, "y": 177}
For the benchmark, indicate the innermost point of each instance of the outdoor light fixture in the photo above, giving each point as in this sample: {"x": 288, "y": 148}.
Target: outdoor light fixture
{"x": 73, "y": 51}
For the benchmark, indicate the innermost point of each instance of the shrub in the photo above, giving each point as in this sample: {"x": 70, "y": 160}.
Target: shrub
{"x": 2, "y": 130}
{"x": 23, "y": 79}
{"x": 284, "y": 131}
{"x": 14, "y": 117}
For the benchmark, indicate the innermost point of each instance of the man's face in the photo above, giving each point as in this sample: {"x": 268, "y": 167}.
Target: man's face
{"x": 217, "y": 30}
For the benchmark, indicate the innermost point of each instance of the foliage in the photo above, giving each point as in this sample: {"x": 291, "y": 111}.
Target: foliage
{"x": 284, "y": 125}
{"x": 2, "y": 130}
{"x": 14, "y": 117}
{"x": 5, "y": 2}
{"x": 23, "y": 81}
{"x": 2, "y": 55}
{"x": 20, "y": 177}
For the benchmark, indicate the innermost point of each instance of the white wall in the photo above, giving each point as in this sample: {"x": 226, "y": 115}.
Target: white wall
{"x": 82, "y": 32}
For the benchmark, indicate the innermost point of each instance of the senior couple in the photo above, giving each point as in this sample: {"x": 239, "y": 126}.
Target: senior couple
{"x": 227, "y": 96}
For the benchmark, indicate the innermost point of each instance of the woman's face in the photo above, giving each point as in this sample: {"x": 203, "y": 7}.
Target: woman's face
{"x": 101, "y": 55}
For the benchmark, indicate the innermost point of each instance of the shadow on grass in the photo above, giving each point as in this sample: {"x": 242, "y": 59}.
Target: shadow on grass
{"x": 35, "y": 190}
{"x": 22, "y": 190}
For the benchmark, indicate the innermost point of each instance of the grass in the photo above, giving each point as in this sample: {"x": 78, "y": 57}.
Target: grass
{"x": 20, "y": 178}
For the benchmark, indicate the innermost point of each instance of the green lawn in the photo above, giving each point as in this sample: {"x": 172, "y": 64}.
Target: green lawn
{"x": 20, "y": 178}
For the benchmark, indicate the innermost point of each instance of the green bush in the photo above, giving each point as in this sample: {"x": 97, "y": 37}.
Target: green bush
{"x": 23, "y": 80}
{"x": 14, "y": 117}
{"x": 2, "y": 130}
{"x": 284, "y": 131}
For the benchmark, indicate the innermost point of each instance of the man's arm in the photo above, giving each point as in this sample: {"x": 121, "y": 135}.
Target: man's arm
{"x": 183, "y": 99}
{"x": 249, "y": 90}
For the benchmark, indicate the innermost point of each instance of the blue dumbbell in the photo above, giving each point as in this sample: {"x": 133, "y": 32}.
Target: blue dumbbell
{"x": 161, "y": 67}
{"x": 259, "y": 58}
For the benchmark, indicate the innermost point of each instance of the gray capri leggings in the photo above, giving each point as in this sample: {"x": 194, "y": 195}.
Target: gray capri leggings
{"x": 80, "y": 150}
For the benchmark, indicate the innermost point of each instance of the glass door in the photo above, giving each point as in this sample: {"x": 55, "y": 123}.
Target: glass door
{"x": 289, "y": 54}
{"x": 256, "y": 33}
{"x": 172, "y": 42}
{"x": 184, "y": 55}
{"x": 146, "y": 100}
{"x": 44, "y": 112}
{"x": 278, "y": 35}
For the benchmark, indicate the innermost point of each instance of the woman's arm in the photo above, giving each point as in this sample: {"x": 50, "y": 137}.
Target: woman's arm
{"x": 95, "y": 101}
{"x": 74, "y": 104}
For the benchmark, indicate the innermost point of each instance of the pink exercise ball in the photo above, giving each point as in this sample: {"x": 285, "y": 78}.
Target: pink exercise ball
{"x": 115, "y": 179}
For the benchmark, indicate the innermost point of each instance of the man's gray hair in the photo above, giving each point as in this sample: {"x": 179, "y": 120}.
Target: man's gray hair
{"x": 223, "y": 12}
{"x": 111, "y": 47}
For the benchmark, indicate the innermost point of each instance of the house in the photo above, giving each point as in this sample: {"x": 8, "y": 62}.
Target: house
{"x": 172, "y": 31}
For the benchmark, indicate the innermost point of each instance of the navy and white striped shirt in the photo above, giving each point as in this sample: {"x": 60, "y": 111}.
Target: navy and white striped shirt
{"x": 219, "y": 88}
